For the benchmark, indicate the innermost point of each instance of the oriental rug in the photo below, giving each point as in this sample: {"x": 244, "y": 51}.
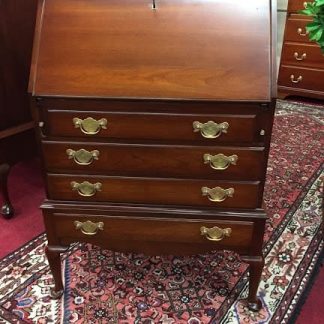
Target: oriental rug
{"x": 105, "y": 287}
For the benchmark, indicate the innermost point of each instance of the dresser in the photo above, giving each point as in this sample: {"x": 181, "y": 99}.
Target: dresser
{"x": 154, "y": 122}
{"x": 301, "y": 70}
{"x": 17, "y": 139}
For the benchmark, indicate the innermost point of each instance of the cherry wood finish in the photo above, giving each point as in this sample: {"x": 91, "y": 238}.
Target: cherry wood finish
{"x": 296, "y": 5}
{"x": 177, "y": 56}
{"x": 17, "y": 142}
{"x": 154, "y": 191}
{"x": 246, "y": 227}
{"x": 294, "y": 23}
{"x": 311, "y": 78}
{"x": 153, "y": 126}
{"x": 128, "y": 228}
{"x": 300, "y": 58}
{"x": 155, "y": 231}
{"x": 141, "y": 160}
{"x": 150, "y": 163}
{"x": 309, "y": 55}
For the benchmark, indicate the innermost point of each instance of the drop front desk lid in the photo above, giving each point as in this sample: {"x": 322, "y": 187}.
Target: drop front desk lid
{"x": 184, "y": 49}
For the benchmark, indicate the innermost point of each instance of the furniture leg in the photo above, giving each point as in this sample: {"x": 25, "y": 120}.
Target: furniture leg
{"x": 6, "y": 210}
{"x": 256, "y": 266}
{"x": 53, "y": 254}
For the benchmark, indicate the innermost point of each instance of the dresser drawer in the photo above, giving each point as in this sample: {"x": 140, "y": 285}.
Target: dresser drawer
{"x": 296, "y": 5}
{"x": 296, "y": 29}
{"x": 155, "y": 160}
{"x": 127, "y": 233}
{"x": 302, "y": 55}
{"x": 154, "y": 191}
{"x": 153, "y": 126}
{"x": 301, "y": 78}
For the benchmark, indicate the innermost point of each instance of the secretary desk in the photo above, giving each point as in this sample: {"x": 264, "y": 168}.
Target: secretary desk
{"x": 154, "y": 122}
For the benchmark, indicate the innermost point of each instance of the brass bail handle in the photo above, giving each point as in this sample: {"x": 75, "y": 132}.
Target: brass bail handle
{"x": 217, "y": 194}
{"x": 89, "y": 228}
{"x": 293, "y": 80}
{"x": 89, "y": 125}
{"x": 220, "y": 161}
{"x": 301, "y": 33}
{"x": 300, "y": 57}
{"x": 82, "y": 156}
{"x": 210, "y": 129}
{"x": 215, "y": 233}
{"x": 85, "y": 188}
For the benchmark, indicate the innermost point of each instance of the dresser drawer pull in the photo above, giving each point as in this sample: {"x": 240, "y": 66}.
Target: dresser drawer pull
{"x": 217, "y": 194}
{"x": 215, "y": 233}
{"x": 220, "y": 161}
{"x": 88, "y": 227}
{"x": 82, "y": 156}
{"x": 89, "y": 125}
{"x": 210, "y": 129}
{"x": 299, "y": 79}
{"x": 300, "y": 32}
{"x": 300, "y": 57}
{"x": 85, "y": 188}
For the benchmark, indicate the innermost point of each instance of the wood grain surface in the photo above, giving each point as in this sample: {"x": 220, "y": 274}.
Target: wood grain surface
{"x": 185, "y": 49}
{"x": 154, "y": 191}
{"x": 313, "y": 56}
{"x": 148, "y": 234}
{"x": 155, "y": 160}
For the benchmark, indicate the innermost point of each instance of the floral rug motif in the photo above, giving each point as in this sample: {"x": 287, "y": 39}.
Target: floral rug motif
{"x": 105, "y": 287}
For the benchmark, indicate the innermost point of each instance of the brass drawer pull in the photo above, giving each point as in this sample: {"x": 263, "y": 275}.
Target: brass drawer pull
{"x": 210, "y": 129}
{"x": 88, "y": 227}
{"x": 82, "y": 156}
{"x": 220, "y": 161}
{"x": 299, "y": 79}
{"x": 217, "y": 194}
{"x": 89, "y": 125}
{"x": 215, "y": 233}
{"x": 85, "y": 188}
{"x": 300, "y": 32}
{"x": 300, "y": 57}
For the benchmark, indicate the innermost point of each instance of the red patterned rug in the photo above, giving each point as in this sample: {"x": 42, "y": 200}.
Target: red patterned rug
{"x": 106, "y": 287}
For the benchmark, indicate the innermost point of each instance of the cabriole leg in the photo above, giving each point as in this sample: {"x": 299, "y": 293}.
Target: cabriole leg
{"x": 256, "y": 267}
{"x": 6, "y": 210}
{"x": 53, "y": 254}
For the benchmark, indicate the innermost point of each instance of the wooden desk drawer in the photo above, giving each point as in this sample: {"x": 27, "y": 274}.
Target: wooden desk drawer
{"x": 296, "y": 29}
{"x": 302, "y": 55}
{"x": 301, "y": 78}
{"x": 153, "y": 126}
{"x": 154, "y": 191}
{"x": 161, "y": 235}
{"x": 155, "y": 160}
{"x": 296, "y": 5}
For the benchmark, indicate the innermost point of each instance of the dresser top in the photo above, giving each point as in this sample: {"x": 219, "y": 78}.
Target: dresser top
{"x": 184, "y": 49}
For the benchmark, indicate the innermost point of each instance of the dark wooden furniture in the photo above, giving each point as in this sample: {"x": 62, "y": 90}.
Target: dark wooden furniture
{"x": 301, "y": 70}
{"x": 155, "y": 126}
{"x": 17, "y": 142}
